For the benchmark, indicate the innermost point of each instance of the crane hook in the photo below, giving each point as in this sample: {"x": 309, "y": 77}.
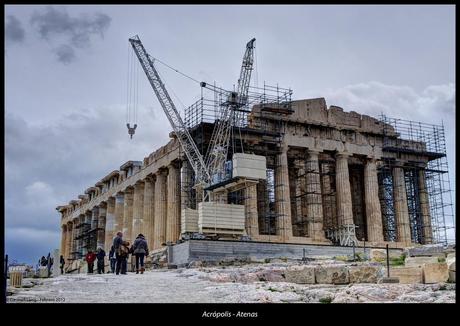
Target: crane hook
{"x": 131, "y": 130}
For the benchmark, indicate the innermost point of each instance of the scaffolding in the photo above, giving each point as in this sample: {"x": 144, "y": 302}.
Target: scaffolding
{"x": 403, "y": 138}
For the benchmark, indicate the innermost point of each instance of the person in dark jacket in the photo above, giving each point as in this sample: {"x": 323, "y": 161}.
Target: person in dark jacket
{"x": 43, "y": 261}
{"x": 62, "y": 262}
{"x": 140, "y": 250}
{"x": 121, "y": 253}
{"x": 112, "y": 260}
{"x": 100, "y": 260}
{"x": 90, "y": 258}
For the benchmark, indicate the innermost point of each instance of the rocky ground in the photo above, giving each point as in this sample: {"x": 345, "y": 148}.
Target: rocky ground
{"x": 251, "y": 283}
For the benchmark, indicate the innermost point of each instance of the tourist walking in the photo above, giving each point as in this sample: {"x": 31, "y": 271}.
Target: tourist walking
{"x": 140, "y": 250}
{"x": 90, "y": 258}
{"x": 43, "y": 261}
{"x": 112, "y": 260}
{"x": 100, "y": 255}
{"x": 62, "y": 262}
{"x": 121, "y": 253}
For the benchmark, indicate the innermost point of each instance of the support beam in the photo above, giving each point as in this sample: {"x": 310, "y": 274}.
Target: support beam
{"x": 400, "y": 204}
{"x": 174, "y": 203}
{"x": 342, "y": 177}
{"x": 425, "y": 208}
{"x": 138, "y": 210}
{"x": 372, "y": 202}
{"x": 314, "y": 198}
{"x": 160, "y": 210}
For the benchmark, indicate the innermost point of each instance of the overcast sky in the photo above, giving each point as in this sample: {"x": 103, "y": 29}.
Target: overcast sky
{"x": 66, "y": 76}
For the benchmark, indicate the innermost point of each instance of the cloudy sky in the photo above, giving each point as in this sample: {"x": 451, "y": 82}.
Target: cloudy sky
{"x": 66, "y": 77}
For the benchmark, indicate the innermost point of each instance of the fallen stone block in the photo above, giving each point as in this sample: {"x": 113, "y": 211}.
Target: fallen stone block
{"x": 380, "y": 255}
{"x": 407, "y": 275}
{"x": 365, "y": 274}
{"x": 452, "y": 276}
{"x": 43, "y": 272}
{"x": 388, "y": 280}
{"x": 420, "y": 261}
{"x": 450, "y": 260}
{"x": 435, "y": 273}
{"x": 331, "y": 275}
{"x": 301, "y": 274}
{"x": 271, "y": 275}
{"x": 426, "y": 250}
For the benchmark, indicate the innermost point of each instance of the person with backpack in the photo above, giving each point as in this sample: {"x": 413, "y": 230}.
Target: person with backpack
{"x": 90, "y": 258}
{"x": 121, "y": 253}
{"x": 100, "y": 260}
{"x": 140, "y": 250}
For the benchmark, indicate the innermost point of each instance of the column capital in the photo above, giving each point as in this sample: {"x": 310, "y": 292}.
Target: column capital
{"x": 314, "y": 151}
{"x": 343, "y": 154}
{"x": 398, "y": 164}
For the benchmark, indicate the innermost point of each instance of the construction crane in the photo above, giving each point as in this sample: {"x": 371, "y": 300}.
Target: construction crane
{"x": 205, "y": 169}
{"x": 185, "y": 139}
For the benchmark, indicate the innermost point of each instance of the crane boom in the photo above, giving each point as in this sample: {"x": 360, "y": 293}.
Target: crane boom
{"x": 220, "y": 139}
{"x": 185, "y": 139}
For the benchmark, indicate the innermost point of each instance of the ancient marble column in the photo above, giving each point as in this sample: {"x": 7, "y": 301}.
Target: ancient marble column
{"x": 400, "y": 205}
{"x": 314, "y": 198}
{"x": 70, "y": 248}
{"x": 128, "y": 215}
{"x": 372, "y": 202}
{"x": 148, "y": 214}
{"x": 344, "y": 208}
{"x": 85, "y": 241}
{"x": 119, "y": 212}
{"x": 329, "y": 202}
{"x": 250, "y": 205}
{"x": 160, "y": 210}
{"x": 186, "y": 184}
{"x": 173, "y": 210}
{"x": 63, "y": 248}
{"x": 109, "y": 224}
{"x": 138, "y": 210}
{"x": 425, "y": 208}
{"x": 101, "y": 226}
{"x": 282, "y": 196}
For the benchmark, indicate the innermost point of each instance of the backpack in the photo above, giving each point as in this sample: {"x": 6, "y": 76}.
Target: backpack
{"x": 123, "y": 251}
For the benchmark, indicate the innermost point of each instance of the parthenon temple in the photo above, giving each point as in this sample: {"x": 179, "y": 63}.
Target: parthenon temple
{"x": 332, "y": 177}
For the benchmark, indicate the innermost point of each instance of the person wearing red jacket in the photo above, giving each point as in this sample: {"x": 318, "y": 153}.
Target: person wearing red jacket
{"x": 90, "y": 258}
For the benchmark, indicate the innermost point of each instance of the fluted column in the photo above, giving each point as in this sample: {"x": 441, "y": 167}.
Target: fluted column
{"x": 85, "y": 241}
{"x": 173, "y": 211}
{"x": 138, "y": 210}
{"x": 149, "y": 210}
{"x": 314, "y": 198}
{"x": 425, "y": 208}
{"x": 400, "y": 205}
{"x": 250, "y": 205}
{"x": 69, "y": 241}
{"x": 101, "y": 227}
{"x": 186, "y": 184}
{"x": 63, "y": 248}
{"x": 344, "y": 208}
{"x": 160, "y": 210}
{"x": 109, "y": 223}
{"x": 119, "y": 212}
{"x": 372, "y": 202}
{"x": 329, "y": 201}
{"x": 128, "y": 215}
{"x": 282, "y": 196}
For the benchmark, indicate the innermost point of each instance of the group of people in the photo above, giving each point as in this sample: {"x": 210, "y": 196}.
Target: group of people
{"x": 119, "y": 254}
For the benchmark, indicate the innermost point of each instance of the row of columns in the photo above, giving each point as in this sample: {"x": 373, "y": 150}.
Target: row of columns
{"x": 343, "y": 203}
{"x": 152, "y": 207}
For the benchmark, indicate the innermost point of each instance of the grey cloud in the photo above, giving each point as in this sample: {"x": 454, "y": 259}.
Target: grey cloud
{"x": 65, "y": 53}
{"x": 76, "y": 31}
{"x": 14, "y": 32}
